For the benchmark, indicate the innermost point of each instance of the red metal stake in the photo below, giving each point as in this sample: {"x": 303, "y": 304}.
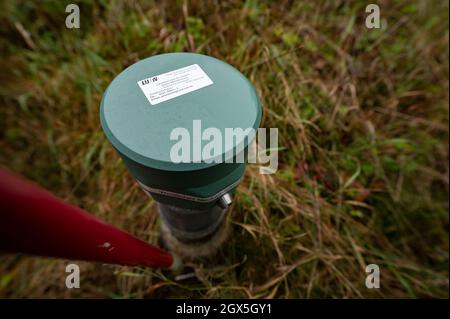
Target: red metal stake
{"x": 34, "y": 221}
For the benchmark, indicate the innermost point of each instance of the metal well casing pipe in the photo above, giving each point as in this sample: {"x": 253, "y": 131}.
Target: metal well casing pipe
{"x": 139, "y": 112}
{"x": 191, "y": 225}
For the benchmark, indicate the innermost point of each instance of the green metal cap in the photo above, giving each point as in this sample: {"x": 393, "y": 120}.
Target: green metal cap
{"x": 149, "y": 99}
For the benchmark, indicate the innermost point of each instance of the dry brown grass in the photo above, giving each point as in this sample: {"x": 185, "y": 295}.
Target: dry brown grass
{"x": 363, "y": 123}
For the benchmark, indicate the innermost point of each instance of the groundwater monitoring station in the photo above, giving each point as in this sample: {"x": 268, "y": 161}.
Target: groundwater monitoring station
{"x": 171, "y": 118}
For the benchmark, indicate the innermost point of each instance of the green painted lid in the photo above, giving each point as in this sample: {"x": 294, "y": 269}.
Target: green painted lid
{"x": 149, "y": 99}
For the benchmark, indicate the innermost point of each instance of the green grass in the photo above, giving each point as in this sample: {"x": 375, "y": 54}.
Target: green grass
{"x": 362, "y": 118}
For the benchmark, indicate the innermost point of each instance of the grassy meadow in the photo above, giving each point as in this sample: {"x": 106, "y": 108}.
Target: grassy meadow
{"x": 363, "y": 115}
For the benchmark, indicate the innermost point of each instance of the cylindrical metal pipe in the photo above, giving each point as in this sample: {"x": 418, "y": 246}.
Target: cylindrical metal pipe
{"x": 191, "y": 225}
{"x": 157, "y": 107}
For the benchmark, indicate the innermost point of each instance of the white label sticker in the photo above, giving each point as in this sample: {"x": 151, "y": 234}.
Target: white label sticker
{"x": 166, "y": 86}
